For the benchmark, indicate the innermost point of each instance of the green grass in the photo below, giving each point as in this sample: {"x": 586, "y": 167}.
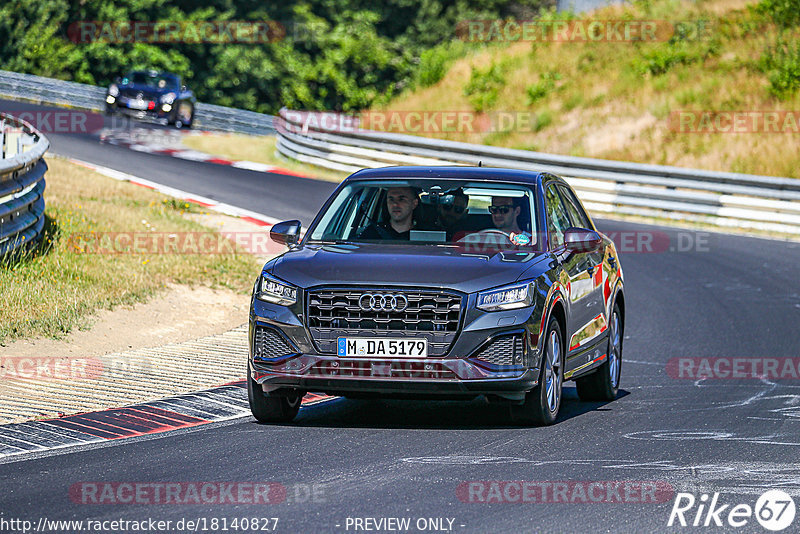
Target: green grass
{"x": 53, "y": 288}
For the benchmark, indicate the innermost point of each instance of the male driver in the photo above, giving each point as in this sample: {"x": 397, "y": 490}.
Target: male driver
{"x": 452, "y": 212}
{"x": 505, "y": 211}
{"x": 400, "y": 203}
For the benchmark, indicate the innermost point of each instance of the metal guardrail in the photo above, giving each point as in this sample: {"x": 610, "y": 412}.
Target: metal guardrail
{"x": 22, "y": 183}
{"x": 80, "y": 95}
{"x": 605, "y": 186}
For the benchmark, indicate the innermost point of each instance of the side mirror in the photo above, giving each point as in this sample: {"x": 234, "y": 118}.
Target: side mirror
{"x": 183, "y": 88}
{"x": 582, "y": 240}
{"x": 118, "y": 80}
{"x": 286, "y": 233}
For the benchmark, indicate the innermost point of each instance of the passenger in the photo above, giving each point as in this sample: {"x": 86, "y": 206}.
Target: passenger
{"x": 505, "y": 211}
{"x": 400, "y": 203}
{"x": 452, "y": 216}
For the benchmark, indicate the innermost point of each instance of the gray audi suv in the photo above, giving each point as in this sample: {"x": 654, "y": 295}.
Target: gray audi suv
{"x": 439, "y": 283}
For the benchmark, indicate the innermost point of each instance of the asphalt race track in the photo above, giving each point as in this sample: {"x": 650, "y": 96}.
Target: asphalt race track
{"x": 690, "y": 295}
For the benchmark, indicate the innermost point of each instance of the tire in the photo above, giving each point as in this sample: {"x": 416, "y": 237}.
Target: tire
{"x": 542, "y": 403}
{"x": 603, "y": 384}
{"x": 267, "y": 409}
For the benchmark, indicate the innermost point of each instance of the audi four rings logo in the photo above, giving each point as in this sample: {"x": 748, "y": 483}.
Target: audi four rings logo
{"x": 382, "y": 302}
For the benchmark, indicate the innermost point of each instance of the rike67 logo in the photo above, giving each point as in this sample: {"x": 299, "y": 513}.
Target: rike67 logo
{"x": 774, "y": 510}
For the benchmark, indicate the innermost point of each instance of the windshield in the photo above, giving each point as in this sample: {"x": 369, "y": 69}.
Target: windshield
{"x": 432, "y": 212}
{"x": 160, "y": 81}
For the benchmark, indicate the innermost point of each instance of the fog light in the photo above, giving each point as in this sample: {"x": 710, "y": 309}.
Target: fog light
{"x": 110, "y": 99}
{"x": 166, "y": 107}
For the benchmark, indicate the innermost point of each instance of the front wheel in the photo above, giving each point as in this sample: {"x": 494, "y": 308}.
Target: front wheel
{"x": 268, "y": 409}
{"x": 542, "y": 403}
{"x": 603, "y": 384}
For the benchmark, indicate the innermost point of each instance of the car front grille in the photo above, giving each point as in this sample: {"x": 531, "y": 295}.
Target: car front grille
{"x": 378, "y": 369}
{"x": 503, "y": 350}
{"x": 268, "y": 343}
{"x": 431, "y": 314}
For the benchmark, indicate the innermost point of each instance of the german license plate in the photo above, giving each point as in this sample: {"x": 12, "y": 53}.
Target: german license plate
{"x": 382, "y": 347}
{"x": 137, "y": 104}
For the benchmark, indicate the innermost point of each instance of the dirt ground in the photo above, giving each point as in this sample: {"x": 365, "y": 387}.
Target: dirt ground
{"x": 180, "y": 313}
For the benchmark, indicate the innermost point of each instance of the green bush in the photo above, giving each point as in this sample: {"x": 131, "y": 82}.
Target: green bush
{"x": 484, "y": 86}
{"x": 542, "y": 88}
{"x": 782, "y": 65}
{"x": 434, "y": 62}
{"x": 664, "y": 57}
{"x": 785, "y": 13}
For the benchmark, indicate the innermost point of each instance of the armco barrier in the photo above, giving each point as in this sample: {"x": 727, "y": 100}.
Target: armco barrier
{"x": 605, "y": 186}
{"x": 80, "y": 95}
{"x": 22, "y": 169}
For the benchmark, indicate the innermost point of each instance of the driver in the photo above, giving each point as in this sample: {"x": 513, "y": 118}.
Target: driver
{"x": 400, "y": 203}
{"x": 505, "y": 211}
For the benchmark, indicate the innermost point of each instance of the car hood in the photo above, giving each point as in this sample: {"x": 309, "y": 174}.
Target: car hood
{"x": 421, "y": 266}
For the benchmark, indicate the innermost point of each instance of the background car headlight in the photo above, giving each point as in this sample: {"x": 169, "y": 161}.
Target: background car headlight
{"x": 113, "y": 90}
{"x": 506, "y": 298}
{"x": 168, "y": 98}
{"x": 277, "y": 291}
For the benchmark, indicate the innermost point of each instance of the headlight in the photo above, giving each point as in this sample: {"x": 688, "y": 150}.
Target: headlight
{"x": 277, "y": 291}
{"x": 113, "y": 90}
{"x": 168, "y": 98}
{"x": 506, "y": 298}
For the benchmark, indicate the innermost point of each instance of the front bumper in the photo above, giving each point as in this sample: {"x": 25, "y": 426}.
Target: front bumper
{"x": 459, "y": 374}
{"x": 448, "y": 377}
{"x": 152, "y": 114}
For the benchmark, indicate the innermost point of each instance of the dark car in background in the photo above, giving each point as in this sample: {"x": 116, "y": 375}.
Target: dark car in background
{"x": 152, "y": 95}
{"x": 440, "y": 283}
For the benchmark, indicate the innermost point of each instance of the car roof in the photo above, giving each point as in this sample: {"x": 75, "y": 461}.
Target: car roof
{"x": 488, "y": 174}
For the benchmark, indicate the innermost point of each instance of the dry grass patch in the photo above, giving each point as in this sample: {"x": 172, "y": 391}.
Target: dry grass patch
{"x": 54, "y": 289}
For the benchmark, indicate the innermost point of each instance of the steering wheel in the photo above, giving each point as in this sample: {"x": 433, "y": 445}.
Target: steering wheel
{"x": 487, "y": 234}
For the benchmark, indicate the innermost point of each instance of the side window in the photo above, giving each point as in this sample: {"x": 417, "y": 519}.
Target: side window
{"x": 576, "y": 213}
{"x": 557, "y": 219}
